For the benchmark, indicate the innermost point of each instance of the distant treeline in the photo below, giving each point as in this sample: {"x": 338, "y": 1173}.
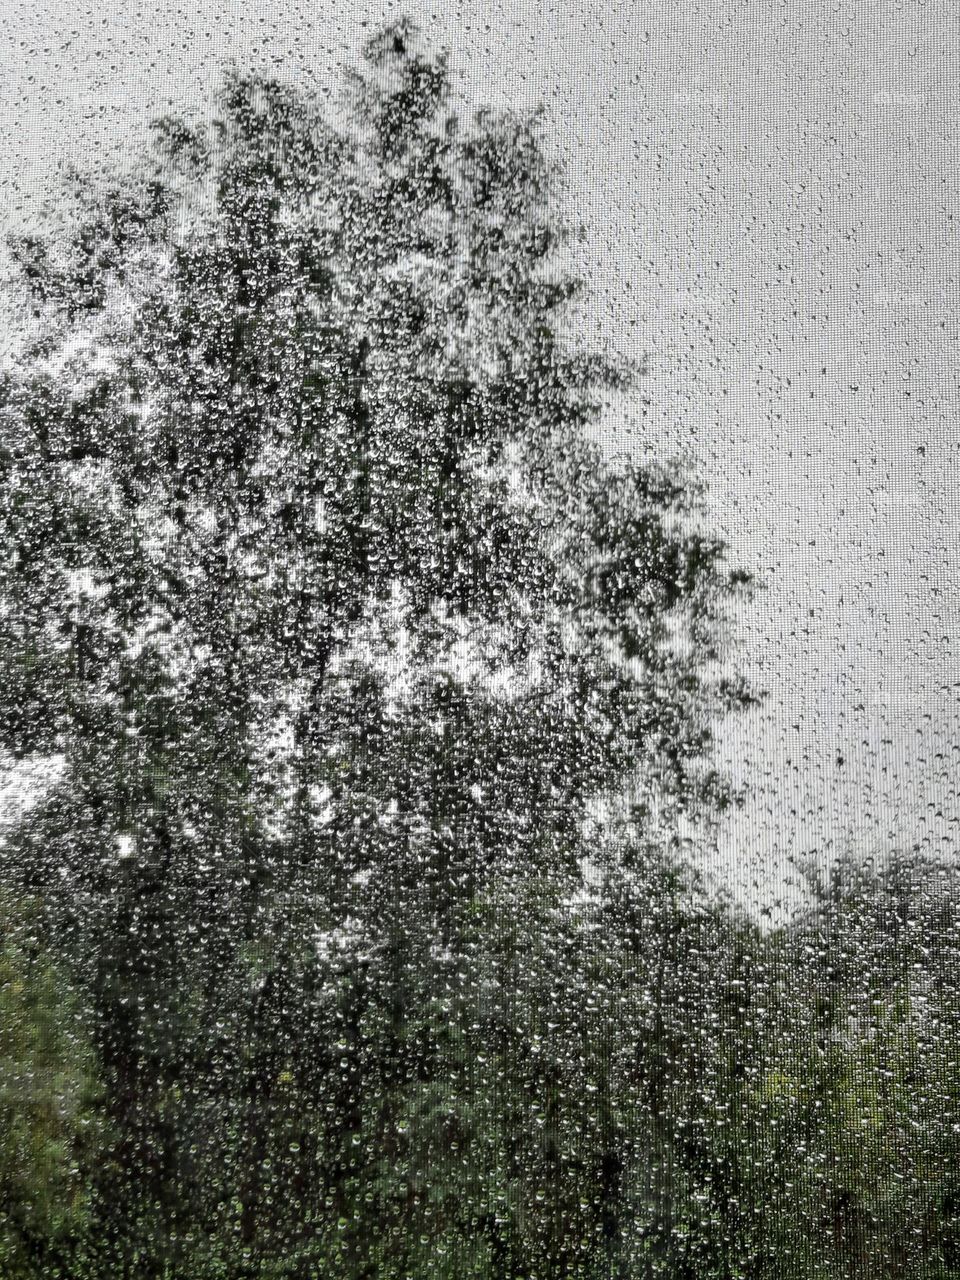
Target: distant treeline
{"x": 654, "y": 1086}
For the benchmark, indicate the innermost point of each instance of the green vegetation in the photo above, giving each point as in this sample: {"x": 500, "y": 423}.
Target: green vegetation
{"x": 50, "y": 1106}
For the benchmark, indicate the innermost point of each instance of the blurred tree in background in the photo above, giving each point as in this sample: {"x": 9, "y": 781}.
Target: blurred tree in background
{"x": 50, "y": 1127}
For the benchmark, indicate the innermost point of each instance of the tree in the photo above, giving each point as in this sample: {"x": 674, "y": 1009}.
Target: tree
{"x": 49, "y": 1130}
{"x": 356, "y": 646}
{"x": 858, "y": 1093}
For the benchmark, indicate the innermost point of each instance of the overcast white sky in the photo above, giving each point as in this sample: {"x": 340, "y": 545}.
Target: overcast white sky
{"x": 771, "y": 194}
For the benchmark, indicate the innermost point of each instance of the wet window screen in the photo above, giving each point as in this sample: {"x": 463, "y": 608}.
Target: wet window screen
{"x": 478, "y": 664}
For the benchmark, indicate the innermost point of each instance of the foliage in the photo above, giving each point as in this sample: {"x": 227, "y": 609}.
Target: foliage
{"x": 49, "y": 1127}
